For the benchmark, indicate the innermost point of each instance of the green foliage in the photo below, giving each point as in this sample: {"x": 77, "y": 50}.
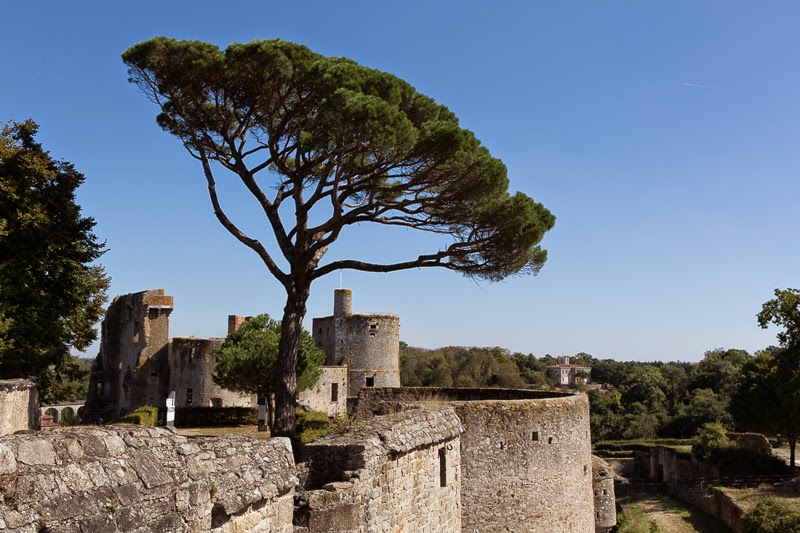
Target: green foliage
{"x": 247, "y": 359}
{"x": 146, "y": 415}
{"x": 719, "y": 371}
{"x": 51, "y": 292}
{"x": 771, "y": 515}
{"x": 735, "y": 460}
{"x": 311, "y": 425}
{"x": 456, "y": 366}
{"x": 341, "y": 145}
{"x": 768, "y": 398}
{"x": 784, "y": 312}
{"x": 712, "y": 436}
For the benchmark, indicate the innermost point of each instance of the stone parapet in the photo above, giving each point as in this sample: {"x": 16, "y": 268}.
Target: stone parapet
{"x": 19, "y": 406}
{"x": 128, "y": 478}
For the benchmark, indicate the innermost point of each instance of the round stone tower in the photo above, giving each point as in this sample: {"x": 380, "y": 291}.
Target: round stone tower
{"x": 368, "y": 344}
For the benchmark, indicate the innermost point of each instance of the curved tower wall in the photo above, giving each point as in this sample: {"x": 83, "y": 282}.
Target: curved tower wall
{"x": 368, "y": 344}
{"x": 372, "y": 351}
{"x": 526, "y": 461}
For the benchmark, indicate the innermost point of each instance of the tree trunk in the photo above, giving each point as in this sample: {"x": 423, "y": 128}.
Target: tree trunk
{"x": 285, "y": 374}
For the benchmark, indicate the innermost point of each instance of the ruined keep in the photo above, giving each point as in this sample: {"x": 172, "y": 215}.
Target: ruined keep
{"x": 19, "y": 406}
{"x": 367, "y": 344}
{"x": 139, "y": 364}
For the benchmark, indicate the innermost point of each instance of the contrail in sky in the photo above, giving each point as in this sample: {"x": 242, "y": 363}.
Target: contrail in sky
{"x": 701, "y": 86}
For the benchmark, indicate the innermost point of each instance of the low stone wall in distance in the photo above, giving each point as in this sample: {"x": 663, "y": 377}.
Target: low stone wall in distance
{"x": 19, "y": 406}
{"x": 717, "y": 504}
{"x": 402, "y": 472}
{"x": 130, "y": 478}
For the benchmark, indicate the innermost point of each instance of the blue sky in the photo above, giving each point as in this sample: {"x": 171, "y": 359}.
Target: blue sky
{"x": 663, "y": 136}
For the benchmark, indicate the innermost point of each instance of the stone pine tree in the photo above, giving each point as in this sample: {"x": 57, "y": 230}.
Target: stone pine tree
{"x": 51, "y": 290}
{"x": 324, "y": 144}
{"x": 248, "y": 359}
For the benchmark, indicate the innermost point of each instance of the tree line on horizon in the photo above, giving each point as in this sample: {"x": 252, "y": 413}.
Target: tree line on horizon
{"x": 630, "y": 399}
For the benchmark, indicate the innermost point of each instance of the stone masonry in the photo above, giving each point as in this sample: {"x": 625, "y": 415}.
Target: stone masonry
{"x": 367, "y": 344}
{"x": 19, "y": 406}
{"x": 525, "y": 452}
{"x": 128, "y": 478}
{"x": 400, "y": 473}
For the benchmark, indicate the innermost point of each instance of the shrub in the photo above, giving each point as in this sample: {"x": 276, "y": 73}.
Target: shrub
{"x": 771, "y": 516}
{"x": 712, "y": 436}
{"x": 311, "y": 425}
{"x": 147, "y": 415}
{"x": 739, "y": 461}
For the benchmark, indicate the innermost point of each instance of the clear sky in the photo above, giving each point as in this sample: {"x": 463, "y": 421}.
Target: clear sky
{"x": 663, "y": 136}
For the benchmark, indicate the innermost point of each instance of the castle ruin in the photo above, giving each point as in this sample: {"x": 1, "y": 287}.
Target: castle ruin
{"x": 444, "y": 460}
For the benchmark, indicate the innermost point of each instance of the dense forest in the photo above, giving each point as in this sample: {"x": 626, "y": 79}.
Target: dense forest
{"x": 629, "y": 400}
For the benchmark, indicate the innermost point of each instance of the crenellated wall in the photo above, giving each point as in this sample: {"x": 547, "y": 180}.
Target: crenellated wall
{"x": 128, "y": 478}
{"x": 19, "y": 406}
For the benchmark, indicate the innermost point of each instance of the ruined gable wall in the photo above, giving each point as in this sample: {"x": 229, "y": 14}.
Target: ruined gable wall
{"x": 129, "y": 370}
{"x": 192, "y": 363}
{"x": 19, "y": 406}
{"x": 127, "y": 478}
{"x": 401, "y": 473}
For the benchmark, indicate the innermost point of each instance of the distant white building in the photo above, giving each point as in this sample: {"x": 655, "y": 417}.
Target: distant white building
{"x": 567, "y": 373}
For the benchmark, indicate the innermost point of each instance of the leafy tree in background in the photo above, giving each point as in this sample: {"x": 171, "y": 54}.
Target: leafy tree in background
{"x": 784, "y": 311}
{"x": 324, "y": 144}
{"x": 51, "y": 291}
{"x": 676, "y": 382}
{"x": 247, "y": 360}
{"x": 754, "y": 406}
{"x": 719, "y": 370}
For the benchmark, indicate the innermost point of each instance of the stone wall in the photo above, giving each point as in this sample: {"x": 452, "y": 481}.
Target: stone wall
{"x": 19, "y": 406}
{"x": 192, "y": 363}
{"x": 131, "y": 369}
{"x": 605, "y": 503}
{"x": 754, "y": 441}
{"x": 717, "y": 504}
{"x": 663, "y": 464}
{"x": 401, "y": 473}
{"x": 127, "y": 478}
{"x": 527, "y": 453}
{"x": 329, "y": 394}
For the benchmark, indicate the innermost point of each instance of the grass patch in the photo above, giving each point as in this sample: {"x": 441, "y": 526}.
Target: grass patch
{"x": 220, "y": 431}
{"x": 657, "y": 513}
